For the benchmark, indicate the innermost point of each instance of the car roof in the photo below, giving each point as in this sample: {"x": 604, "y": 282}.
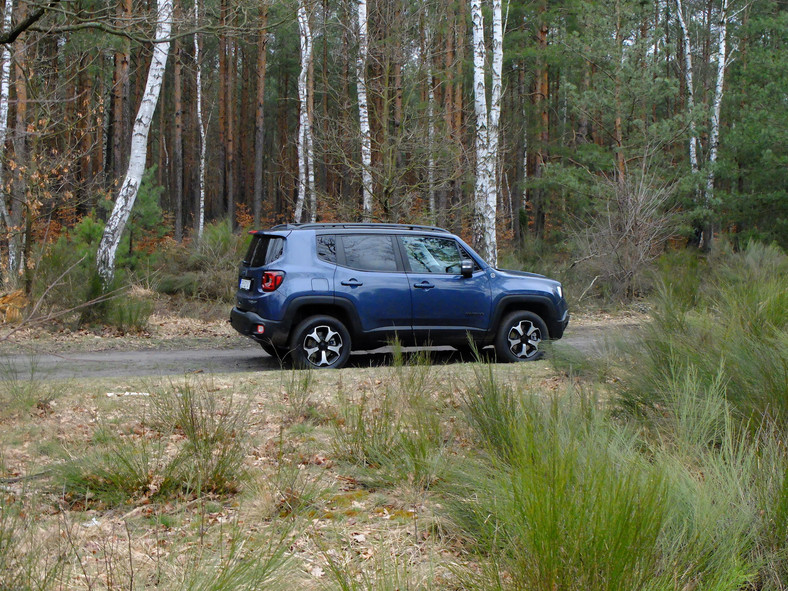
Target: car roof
{"x": 360, "y": 226}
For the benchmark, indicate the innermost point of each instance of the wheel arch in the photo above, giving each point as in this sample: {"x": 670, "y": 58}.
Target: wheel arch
{"x": 303, "y": 308}
{"x": 542, "y": 306}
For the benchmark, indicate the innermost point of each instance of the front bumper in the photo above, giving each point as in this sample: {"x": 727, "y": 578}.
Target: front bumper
{"x": 247, "y": 323}
{"x": 558, "y": 327}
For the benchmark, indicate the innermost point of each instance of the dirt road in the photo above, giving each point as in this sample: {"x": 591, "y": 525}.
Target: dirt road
{"x": 245, "y": 357}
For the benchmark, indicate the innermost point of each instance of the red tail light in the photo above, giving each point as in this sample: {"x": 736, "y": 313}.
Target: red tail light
{"x": 272, "y": 280}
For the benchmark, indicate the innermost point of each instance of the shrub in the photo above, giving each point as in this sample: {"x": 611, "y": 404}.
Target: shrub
{"x": 206, "y": 269}
{"x": 567, "y": 497}
{"x": 726, "y": 318}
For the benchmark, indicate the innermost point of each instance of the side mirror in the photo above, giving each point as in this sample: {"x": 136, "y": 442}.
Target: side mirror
{"x": 466, "y": 268}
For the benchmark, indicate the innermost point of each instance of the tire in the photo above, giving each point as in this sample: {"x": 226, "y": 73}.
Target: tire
{"x": 320, "y": 342}
{"x": 519, "y": 337}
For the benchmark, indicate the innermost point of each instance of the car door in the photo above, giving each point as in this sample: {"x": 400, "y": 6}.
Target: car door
{"x": 371, "y": 276}
{"x": 446, "y": 305}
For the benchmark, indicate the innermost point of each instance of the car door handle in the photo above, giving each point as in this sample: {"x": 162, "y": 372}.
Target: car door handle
{"x": 423, "y": 285}
{"x": 352, "y": 283}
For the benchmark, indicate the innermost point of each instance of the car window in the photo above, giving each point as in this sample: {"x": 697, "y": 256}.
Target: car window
{"x": 369, "y": 252}
{"x": 264, "y": 250}
{"x": 327, "y": 248}
{"x": 428, "y": 254}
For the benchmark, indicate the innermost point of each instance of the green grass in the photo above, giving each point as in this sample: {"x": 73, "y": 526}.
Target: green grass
{"x": 188, "y": 445}
{"x": 727, "y": 319}
{"x": 564, "y": 496}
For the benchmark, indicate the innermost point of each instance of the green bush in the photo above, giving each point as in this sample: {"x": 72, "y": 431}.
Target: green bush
{"x": 563, "y": 496}
{"x": 206, "y": 269}
{"x": 727, "y": 318}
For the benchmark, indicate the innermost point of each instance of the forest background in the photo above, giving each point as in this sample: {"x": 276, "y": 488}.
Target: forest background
{"x": 624, "y": 125}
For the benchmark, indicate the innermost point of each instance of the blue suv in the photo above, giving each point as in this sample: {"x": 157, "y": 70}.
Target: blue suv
{"x": 314, "y": 292}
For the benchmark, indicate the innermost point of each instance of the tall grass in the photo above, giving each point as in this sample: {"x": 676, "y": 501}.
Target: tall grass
{"x": 190, "y": 444}
{"x": 394, "y": 432}
{"x": 567, "y": 497}
{"x": 726, "y": 318}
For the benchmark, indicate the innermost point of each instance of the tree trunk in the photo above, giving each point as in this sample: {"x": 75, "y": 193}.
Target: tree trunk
{"x": 19, "y": 184}
{"x": 363, "y": 113}
{"x": 259, "y": 120}
{"x": 687, "y": 48}
{"x": 178, "y": 141}
{"x": 5, "y": 83}
{"x": 484, "y": 206}
{"x": 199, "y": 217}
{"x": 304, "y": 132}
{"x": 714, "y": 134}
{"x": 105, "y": 257}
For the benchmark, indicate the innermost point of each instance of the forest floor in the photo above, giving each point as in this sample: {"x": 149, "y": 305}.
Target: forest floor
{"x": 300, "y": 498}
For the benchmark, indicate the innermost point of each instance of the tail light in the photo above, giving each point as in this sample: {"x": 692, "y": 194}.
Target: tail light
{"x": 272, "y": 280}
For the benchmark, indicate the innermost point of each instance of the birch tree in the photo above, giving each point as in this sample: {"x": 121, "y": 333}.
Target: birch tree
{"x": 487, "y": 129}
{"x": 5, "y": 83}
{"x": 688, "y": 81}
{"x": 105, "y": 257}
{"x": 714, "y": 125}
{"x": 305, "y": 159}
{"x": 199, "y": 217}
{"x": 363, "y": 111}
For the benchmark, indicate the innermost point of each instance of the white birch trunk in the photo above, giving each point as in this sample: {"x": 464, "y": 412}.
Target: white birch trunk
{"x": 305, "y": 36}
{"x": 491, "y": 205}
{"x": 714, "y": 134}
{"x": 105, "y": 257}
{"x": 200, "y": 126}
{"x": 363, "y": 112}
{"x": 5, "y": 83}
{"x": 485, "y": 160}
{"x": 693, "y": 142}
{"x": 430, "y": 127}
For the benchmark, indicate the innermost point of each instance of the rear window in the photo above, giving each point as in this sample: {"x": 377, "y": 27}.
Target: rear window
{"x": 369, "y": 252}
{"x": 264, "y": 250}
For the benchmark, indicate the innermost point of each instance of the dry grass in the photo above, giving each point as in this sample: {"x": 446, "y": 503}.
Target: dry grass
{"x": 299, "y": 512}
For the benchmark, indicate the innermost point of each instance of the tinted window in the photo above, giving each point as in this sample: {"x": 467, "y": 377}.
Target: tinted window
{"x": 327, "y": 248}
{"x": 427, "y": 254}
{"x": 369, "y": 253}
{"x": 264, "y": 250}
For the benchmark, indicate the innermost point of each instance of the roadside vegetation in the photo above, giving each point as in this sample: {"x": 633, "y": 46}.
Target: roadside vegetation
{"x": 662, "y": 465}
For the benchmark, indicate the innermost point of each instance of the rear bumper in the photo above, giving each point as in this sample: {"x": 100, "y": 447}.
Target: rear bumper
{"x": 247, "y": 323}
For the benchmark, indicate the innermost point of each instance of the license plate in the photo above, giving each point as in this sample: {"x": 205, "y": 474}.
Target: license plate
{"x": 246, "y": 284}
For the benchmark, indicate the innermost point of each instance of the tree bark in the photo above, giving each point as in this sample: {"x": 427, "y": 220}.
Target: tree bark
{"x": 199, "y": 217}
{"x": 5, "y": 84}
{"x": 177, "y": 149}
{"x": 485, "y": 190}
{"x": 304, "y": 130}
{"x": 105, "y": 257}
{"x": 363, "y": 112}
{"x": 259, "y": 120}
{"x": 714, "y": 134}
{"x": 687, "y": 48}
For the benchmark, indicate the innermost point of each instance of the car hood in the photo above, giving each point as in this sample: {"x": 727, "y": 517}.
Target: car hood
{"x": 519, "y": 273}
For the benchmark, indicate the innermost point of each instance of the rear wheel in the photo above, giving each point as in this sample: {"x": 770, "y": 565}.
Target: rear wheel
{"x": 320, "y": 342}
{"x": 520, "y": 337}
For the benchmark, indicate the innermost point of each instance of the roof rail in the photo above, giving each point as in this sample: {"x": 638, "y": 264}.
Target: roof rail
{"x": 357, "y": 226}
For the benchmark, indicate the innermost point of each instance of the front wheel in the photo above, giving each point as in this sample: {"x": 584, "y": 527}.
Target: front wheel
{"x": 520, "y": 336}
{"x": 320, "y": 342}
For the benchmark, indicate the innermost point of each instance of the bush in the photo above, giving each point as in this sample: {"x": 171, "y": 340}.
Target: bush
{"x": 206, "y": 269}
{"x": 727, "y": 319}
{"x": 566, "y": 497}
